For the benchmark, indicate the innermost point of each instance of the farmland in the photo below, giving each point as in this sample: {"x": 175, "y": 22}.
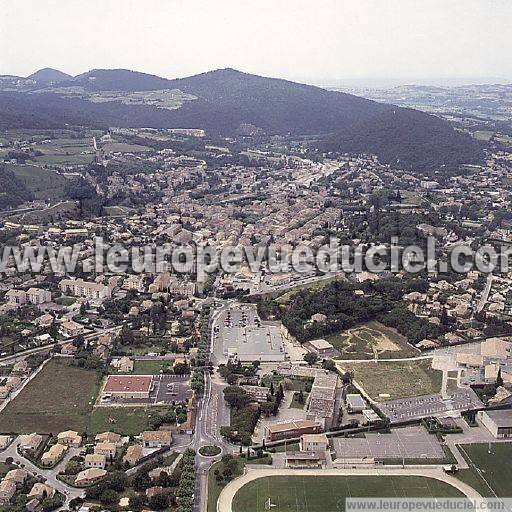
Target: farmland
{"x": 60, "y": 397}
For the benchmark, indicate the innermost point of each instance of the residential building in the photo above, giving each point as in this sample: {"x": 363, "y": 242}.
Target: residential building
{"x": 53, "y": 454}
{"x": 156, "y": 438}
{"x": 106, "y": 449}
{"x": 70, "y": 438}
{"x": 133, "y": 454}
{"x": 89, "y": 476}
{"x": 95, "y": 460}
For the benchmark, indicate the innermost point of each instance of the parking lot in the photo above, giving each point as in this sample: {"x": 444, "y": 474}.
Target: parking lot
{"x": 430, "y": 405}
{"x": 408, "y": 443}
{"x": 171, "y": 388}
{"x": 242, "y": 334}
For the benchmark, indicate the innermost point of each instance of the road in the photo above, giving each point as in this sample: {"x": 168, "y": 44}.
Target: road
{"x": 485, "y": 294}
{"x": 212, "y": 414}
{"x": 226, "y": 497}
{"x": 22, "y": 354}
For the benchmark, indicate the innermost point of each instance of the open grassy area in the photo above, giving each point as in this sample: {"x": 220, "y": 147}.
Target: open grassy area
{"x": 60, "y": 397}
{"x": 314, "y": 285}
{"x": 215, "y": 487}
{"x": 124, "y": 420}
{"x": 327, "y": 494}
{"x": 490, "y": 473}
{"x": 372, "y": 340}
{"x": 43, "y": 183}
{"x": 398, "y": 379}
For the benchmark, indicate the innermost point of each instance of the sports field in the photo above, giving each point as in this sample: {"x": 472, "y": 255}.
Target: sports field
{"x": 389, "y": 380}
{"x": 490, "y": 473}
{"x": 328, "y": 493}
{"x": 370, "y": 341}
{"x": 59, "y": 398}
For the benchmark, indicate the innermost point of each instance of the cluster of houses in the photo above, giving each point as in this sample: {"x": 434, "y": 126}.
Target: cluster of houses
{"x": 12, "y": 484}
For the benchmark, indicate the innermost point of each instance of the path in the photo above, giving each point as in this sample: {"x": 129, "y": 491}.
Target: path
{"x": 228, "y": 493}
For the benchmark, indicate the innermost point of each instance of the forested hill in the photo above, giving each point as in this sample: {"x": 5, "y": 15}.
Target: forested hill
{"x": 229, "y": 102}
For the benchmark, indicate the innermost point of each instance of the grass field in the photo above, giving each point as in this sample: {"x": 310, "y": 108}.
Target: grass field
{"x": 327, "y": 494}
{"x": 43, "y": 183}
{"x": 124, "y": 420}
{"x": 398, "y": 379}
{"x": 372, "y": 340}
{"x": 214, "y": 487}
{"x": 490, "y": 473}
{"x": 60, "y": 397}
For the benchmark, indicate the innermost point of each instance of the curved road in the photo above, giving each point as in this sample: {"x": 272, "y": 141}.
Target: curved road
{"x": 228, "y": 493}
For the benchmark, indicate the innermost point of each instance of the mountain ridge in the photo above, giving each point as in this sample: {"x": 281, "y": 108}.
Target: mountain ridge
{"x": 225, "y": 100}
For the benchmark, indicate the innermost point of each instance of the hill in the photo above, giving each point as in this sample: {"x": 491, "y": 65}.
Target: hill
{"x": 227, "y": 101}
{"x": 49, "y": 76}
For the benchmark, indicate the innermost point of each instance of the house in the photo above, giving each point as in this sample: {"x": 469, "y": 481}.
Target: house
{"x": 133, "y": 454}
{"x": 71, "y": 329}
{"x": 108, "y": 437}
{"x": 89, "y": 476}
{"x": 95, "y": 460}
{"x": 314, "y": 443}
{"x": 70, "y": 438}
{"x": 17, "y": 476}
{"x": 53, "y": 455}
{"x": 38, "y": 296}
{"x": 30, "y": 442}
{"x": 21, "y": 367}
{"x": 156, "y": 438}
{"x": 68, "y": 349}
{"x": 16, "y": 297}
{"x": 107, "y": 449}
{"x": 44, "y": 320}
{"x": 123, "y": 364}
{"x": 7, "y": 491}
{"x": 41, "y": 491}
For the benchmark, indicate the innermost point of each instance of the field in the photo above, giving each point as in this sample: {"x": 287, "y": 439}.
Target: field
{"x": 398, "y": 379}
{"x": 43, "y": 183}
{"x": 327, "y": 494}
{"x": 215, "y": 487}
{"x": 60, "y": 397}
{"x": 490, "y": 473}
{"x": 314, "y": 285}
{"x": 370, "y": 341}
{"x": 124, "y": 420}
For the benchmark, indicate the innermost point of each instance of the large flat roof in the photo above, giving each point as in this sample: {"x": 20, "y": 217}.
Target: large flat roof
{"x": 502, "y": 418}
{"x": 128, "y": 383}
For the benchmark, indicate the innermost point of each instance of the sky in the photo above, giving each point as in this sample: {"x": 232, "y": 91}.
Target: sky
{"x": 315, "y": 41}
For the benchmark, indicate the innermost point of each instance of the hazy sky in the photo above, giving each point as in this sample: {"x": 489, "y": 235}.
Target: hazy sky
{"x": 317, "y": 40}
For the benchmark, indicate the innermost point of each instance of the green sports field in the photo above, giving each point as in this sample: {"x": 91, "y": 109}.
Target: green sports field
{"x": 328, "y": 493}
{"x": 490, "y": 473}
